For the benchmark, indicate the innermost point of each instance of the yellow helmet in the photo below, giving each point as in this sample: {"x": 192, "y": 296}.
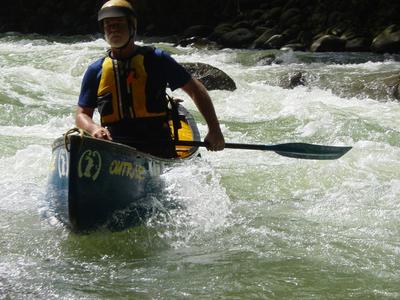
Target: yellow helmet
{"x": 115, "y": 9}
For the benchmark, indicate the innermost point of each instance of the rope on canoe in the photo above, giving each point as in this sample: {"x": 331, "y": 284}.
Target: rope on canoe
{"x": 72, "y": 131}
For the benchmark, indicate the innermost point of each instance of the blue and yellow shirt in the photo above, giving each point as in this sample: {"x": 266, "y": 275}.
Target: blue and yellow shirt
{"x": 134, "y": 88}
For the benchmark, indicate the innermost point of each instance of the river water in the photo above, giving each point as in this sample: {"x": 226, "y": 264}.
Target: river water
{"x": 255, "y": 225}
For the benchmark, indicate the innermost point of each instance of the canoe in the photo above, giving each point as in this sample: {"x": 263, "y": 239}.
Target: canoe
{"x": 97, "y": 183}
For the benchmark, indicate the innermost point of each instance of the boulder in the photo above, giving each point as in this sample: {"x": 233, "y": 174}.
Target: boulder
{"x": 294, "y": 47}
{"x": 263, "y": 38}
{"x": 396, "y": 91}
{"x": 305, "y": 37}
{"x": 358, "y": 44}
{"x": 220, "y": 30}
{"x": 292, "y": 16}
{"x": 388, "y": 41}
{"x": 317, "y": 21}
{"x": 290, "y": 81}
{"x": 256, "y": 13}
{"x": 272, "y": 14}
{"x": 197, "y": 31}
{"x": 296, "y": 80}
{"x": 268, "y": 59}
{"x": 259, "y": 30}
{"x": 197, "y": 42}
{"x": 291, "y": 33}
{"x": 393, "y": 83}
{"x": 328, "y": 43}
{"x": 243, "y": 24}
{"x": 275, "y": 42}
{"x": 212, "y": 77}
{"x": 238, "y": 38}
{"x": 392, "y": 80}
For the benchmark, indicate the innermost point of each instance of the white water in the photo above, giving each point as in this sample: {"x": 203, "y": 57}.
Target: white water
{"x": 255, "y": 224}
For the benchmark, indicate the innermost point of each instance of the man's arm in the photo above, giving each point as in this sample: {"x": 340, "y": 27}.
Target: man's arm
{"x": 84, "y": 120}
{"x": 196, "y": 90}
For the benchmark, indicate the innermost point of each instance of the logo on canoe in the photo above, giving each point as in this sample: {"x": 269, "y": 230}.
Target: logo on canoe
{"x": 127, "y": 169}
{"x": 62, "y": 163}
{"x": 89, "y": 165}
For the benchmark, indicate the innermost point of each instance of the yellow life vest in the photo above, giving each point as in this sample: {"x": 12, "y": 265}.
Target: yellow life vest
{"x": 122, "y": 92}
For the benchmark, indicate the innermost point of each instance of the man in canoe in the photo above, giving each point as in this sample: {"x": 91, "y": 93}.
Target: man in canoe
{"x": 128, "y": 87}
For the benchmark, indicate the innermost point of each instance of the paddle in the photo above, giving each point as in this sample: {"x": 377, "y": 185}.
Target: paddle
{"x": 295, "y": 150}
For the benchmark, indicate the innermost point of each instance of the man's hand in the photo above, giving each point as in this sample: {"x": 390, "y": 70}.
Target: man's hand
{"x": 84, "y": 120}
{"x": 102, "y": 133}
{"x": 215, "y": 141}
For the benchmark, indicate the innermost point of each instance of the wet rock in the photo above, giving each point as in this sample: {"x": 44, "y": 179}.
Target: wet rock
{"x": 393, "y": 84}
{"x": 328, "y": 43}
{"x": 358, "y": 44}
{"x": 392, "y": 80}
{"x": 260, "y": 29}
{"x": 160, "y": 39}
{"x": 260, "y": 42}
{"x": 317, "y": 21}
{"x": 256, "y": 13}
{"x": 388, "y": 41}
{"x": 291, "y": 17}
{"x": 275, "y": 42}
{"x": 243, "y": 24}
{"x": 291, "y": 33}
{"x": 272, "y": 14}
{"x": 293, "y": 80}
{"x": 296, "y": 80}
{"x": 238, "y": 38}
{"x": 200, "y": 43}
{"x": 219, "y": 31}
{"x": 396, "y": 91}
{"x": 294, "y": 47}
{"x": 212, "y": 77}
{"x": 197, "y": 31}
{"x": 268, "y": 59}
{"x": 305, "y": 37}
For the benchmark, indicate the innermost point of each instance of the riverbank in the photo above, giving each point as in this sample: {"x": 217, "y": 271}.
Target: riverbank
{"x": 315, "y": 25}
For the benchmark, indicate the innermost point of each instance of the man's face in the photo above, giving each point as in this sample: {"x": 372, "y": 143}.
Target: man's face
{"x": 116, "y": 31}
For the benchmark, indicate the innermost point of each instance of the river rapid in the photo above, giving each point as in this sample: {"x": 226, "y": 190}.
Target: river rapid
{"x": 255, "y": 225}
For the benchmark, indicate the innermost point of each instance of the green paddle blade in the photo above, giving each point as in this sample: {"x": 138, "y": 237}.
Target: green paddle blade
{"x": 310, "y": 151}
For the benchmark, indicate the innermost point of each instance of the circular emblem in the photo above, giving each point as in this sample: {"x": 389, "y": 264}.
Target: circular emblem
{"x": 89, "y": 165}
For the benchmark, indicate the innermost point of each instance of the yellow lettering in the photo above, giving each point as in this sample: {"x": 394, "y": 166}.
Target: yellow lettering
{"x": 114, "y": 166}
{"x": 127, "y": 169}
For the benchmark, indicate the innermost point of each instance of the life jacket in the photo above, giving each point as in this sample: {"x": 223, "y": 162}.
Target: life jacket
{"x": 127, "y": 92}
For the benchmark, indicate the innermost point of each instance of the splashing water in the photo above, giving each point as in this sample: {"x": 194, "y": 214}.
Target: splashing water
{"x": 233, "y": 224}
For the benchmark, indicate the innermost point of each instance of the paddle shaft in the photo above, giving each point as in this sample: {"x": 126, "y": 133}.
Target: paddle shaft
{"x": 294, "y": 150}
{"x": 229, "y": 145}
